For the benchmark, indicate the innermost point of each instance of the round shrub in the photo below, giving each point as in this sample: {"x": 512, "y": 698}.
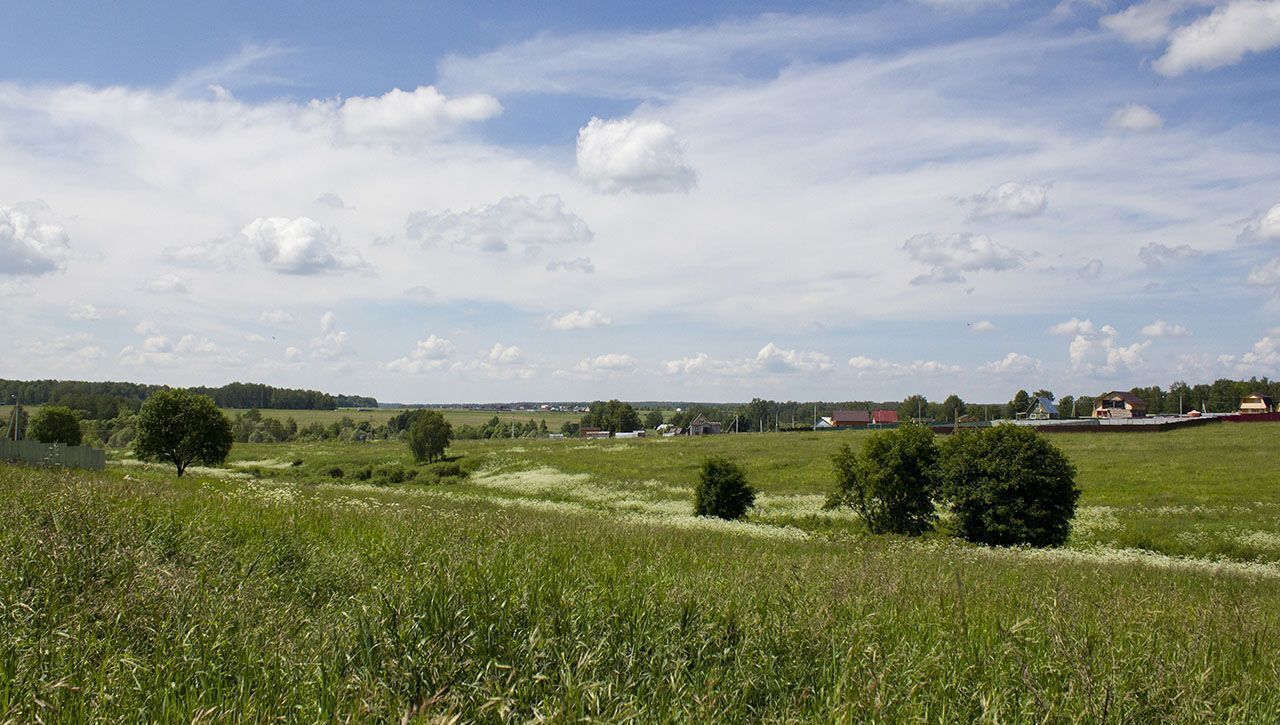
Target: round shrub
{"x": 889, "y": 483}
{"x": 722, "y": 490}
{"x": 296, "y": 462}
{"x": 1008, "y": 486}
{"x": 364, "y": 474}
{"x": 335, "y": 472}
{"x": 55, "y": 424}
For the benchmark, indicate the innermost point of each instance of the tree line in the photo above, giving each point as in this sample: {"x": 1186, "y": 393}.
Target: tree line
{"x": 106, "y": 400}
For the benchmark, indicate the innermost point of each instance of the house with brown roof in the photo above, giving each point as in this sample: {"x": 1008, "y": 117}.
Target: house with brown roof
{"x": 851, "y": 418}
{"x": 703, "y": 427}
{"x": 881, "y": 417}
{"x": 1255, "y": 403}
{"x": 1120, "y": 404}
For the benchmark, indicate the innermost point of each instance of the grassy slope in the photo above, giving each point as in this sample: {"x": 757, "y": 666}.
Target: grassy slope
{"x": 162, "y": 600}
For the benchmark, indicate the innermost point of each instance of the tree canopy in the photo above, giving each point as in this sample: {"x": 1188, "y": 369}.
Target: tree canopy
{"x": 182, "y": 427}
{"x": 55, "y": 424}
{"x": 429, "y": 436}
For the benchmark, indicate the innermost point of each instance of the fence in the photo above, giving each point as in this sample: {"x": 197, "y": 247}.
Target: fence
{"x": 52, "y": 454}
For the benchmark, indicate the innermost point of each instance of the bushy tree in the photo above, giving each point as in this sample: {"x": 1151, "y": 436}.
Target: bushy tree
{"x": 55, "y": 424}
{"x": 722, "y": 490}
{"x": 429, "y": 436}
{"x": 890, "y": 482}
{"x": 612, "y": 416}
{"x": 1008, "y": 486}
{"x": 1021, "y": 403}
{"x": 952, "y": 408}
{"x": 182, "y": 427}
{"x": 653, "y": 419}
{"x": 915, "y": 406}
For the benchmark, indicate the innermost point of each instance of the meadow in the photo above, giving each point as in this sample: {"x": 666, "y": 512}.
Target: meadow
{"x": 567, "y": 580}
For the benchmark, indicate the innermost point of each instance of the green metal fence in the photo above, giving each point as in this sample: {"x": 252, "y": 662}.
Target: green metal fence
{"x": 52, "y": 454}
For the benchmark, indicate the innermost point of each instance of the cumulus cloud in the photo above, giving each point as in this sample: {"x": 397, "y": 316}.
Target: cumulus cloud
{"x": 403, "y": 115}
{"x": 1264, "y": 227}
{"x": 1160, "y": 328}
{"x": 1148, "y": 22}
{"x": 276, "y": 317}
{"x": 29, "y": 246}
{"x": 774, "y": 359}
{"x": 959, "y": 253}
{"x": 1155, "y": 255}
{"x": 703, "y": 365}
{"x": 420, "y": 291}
{"x": 169, "y": 284}
{"x": 429, "y": 354}
{"x": 1074, "y": 326}
{"x": 1091, "y": 270}
{"x": 514, "y": 222}
{"x": 300, "y": 246}
{"x": 1097, "y": 350}
{"x": 64, "y": 351}
{"x": 1011, "y": 364}
{"x": 1136, "y": 118}
{"x": 1262, "y": 358}
{"x": 86, "y": 311}
{"x": 864, "y": 366}
{"x": 501, "y": 362}
{"x": 982, "y": 326}
{"x": 331, "y": 343}
{"x": 601, "y": 366}
{"x": 1267, "y": 275}
{"x": 576, "y": 320}
{"x": 332, "y": 201}
{"x": 577, "y": 264}
{"x": 1223, "y": 37}
{"x": 633, "y": 155}
{"x": 1010, "y": 200}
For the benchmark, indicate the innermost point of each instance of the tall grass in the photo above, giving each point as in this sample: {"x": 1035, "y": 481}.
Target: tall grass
{"x": 165, "y": 600}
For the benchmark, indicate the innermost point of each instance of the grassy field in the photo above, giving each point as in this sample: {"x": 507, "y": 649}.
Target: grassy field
{"x": 130, "y": 595}
{"x": 568, "y": 580}
{"x": 455, "y": 416}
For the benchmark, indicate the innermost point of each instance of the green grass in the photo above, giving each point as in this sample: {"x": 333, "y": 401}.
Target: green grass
{"x": 132, "y": 596}
{"x": 456, "y": 416}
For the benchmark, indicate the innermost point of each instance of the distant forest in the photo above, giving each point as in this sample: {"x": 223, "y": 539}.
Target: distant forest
{"x": 105, "y": 400}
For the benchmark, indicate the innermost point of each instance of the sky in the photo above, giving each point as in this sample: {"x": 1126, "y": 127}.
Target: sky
{"x": 653, "y": 201}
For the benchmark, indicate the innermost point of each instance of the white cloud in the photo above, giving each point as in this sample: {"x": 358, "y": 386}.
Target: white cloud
{"x": 601, "y": 366}
{"x": 640, "y": 156}
{"x": 703, "y": 365}
{"x": 1155, "y": 255}
{"x": 429, "y": 354}
{"x": 1268, "y": 275}
{"x": 501, "y": 362}
{"x": 276, "y": 317}
{"x": 212, "y": 253}
{"x": 959, "y": 253}
{"x": 420, "y": 291}
{"x": 1010, "y": 200}
{"x": 772, "y": 358}
{"x": 576, "y": 320}
{"x": 403, "y": 115}
{"x": 85, "y": 311}
{"x": 169, "y": 284}
{"x": 73, "y": 352}
{"x": 1264, "y": 227}
{"x": 331, "y": 344}
{"x": 1137, "y": 118}
{"x": 865, "y": 366}
{"x": 1223, "y": 37}
{"x": 1074, "y": 326}
{"x": 1091, "y": 270}
{"x": 332, "y": 201}
{"x": 292, "y": 354}
{"x": 982, "y": 326}
{"x": 29, "y": 246}
{"x": 1012, "y": 364}
{"x": 515, "y": 221}
{"x": 1160, "y": 328}
{"x": 1148, "y": 22}
{"x": 577, "y": 264}
{"x": 300, "y": 246}
{"x": 1098, "y": 352}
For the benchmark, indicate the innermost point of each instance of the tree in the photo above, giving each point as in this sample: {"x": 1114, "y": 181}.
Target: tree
{"x": 952, "y": 408}
{"x": 55, "y": 424}
{"x": 182, "y": 427}
{"x": 1066, "y": 405}
{"x": 653, "y": 419}
{"x": 722, "y": 490}
{"x": 1021, "y": 403}
{"x": 1042, "y": 393}
{"x": 1008, "y": 486}
{"x": 889, "y": 484}
{"x": 429, "y": 436}
{"x": 914, "y": 407}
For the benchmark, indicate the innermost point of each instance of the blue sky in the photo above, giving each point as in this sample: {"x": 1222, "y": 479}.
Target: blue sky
{"x": 707, "y": 201}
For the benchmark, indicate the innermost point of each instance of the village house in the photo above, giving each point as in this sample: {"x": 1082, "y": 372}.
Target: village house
{"x": 851, "y": 418}
{"x": 703, "y": 427}
{"x": 1120, "y": 404}
{"x": 1042, "y": 409}
{"x": 884, "y": 417}
{"x": 1255, "y": 403}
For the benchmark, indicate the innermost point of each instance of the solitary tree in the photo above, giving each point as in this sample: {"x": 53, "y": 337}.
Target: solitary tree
{"x": 429, "y": 436}
{"x": 889, "y": 484}
{"x": 1021, "y": 403}
{"x": 952, "y": 408}
{"x": 722, "y": 490}
{"x": 182, "y": 428}
{"x": 55, "y": 424}
{"x": 913, "y": 408}
{"x": 1008, "y": 485}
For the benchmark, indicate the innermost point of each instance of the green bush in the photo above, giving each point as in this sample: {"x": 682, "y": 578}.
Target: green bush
{"x": 722, "y": 490}
{"x": 296, "y": 462}
{"x": 55, "y": 424}
{"x": 446, "y": 469}
{"x": 889, "y": 483}
{"x": 364, "y": 474}
{"x": 335, "y": 472}
{"x": 1008, "y": 486}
